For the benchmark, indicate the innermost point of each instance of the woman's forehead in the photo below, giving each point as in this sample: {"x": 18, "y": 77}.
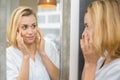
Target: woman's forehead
{"x": 28, "y": 19}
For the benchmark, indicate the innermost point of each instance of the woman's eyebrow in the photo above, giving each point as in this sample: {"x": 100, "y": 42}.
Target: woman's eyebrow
{"x": 33, "y": 23}
{"x": 24, "y": 24}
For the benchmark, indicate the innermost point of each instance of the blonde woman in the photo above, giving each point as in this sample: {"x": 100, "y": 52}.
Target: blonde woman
{"x": 29, "y": 56}
{"x": 100, "y": 41}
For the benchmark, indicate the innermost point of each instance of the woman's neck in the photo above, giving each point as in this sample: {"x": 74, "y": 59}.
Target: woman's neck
{"x": 109, "y": 59}
{"x": 32, "y": 49}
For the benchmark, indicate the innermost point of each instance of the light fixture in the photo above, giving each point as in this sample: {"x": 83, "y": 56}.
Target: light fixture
{"x": 47, "y": 3}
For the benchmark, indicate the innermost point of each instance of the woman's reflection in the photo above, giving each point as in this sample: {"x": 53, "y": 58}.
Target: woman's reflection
{"x": 29, "y": 56}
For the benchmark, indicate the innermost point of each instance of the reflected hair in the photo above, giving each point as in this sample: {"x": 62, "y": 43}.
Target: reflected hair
{"x": 14, "y": 23}
{"x": 106, "y": 19}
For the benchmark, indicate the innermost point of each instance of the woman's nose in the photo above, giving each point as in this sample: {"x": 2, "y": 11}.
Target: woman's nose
{"x": 30, "y": 30}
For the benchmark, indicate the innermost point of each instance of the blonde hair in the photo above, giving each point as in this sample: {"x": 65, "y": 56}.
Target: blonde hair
{"x": 106, "y": 19}
{"x": 14, "y": 23}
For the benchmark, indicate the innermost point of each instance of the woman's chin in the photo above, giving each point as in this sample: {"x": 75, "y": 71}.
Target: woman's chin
{"x": 29, "y": 42}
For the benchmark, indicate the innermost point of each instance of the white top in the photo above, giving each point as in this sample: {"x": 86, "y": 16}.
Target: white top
{"x": 37, "y": 68}
{"x": 110, "y": 71}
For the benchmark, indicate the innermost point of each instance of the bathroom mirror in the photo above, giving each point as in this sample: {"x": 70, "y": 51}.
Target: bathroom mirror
{"x": 54, "y": 22}
{"x": 49, "y": 21}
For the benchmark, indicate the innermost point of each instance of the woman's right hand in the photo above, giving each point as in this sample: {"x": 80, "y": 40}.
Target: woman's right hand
{"x": 21, "y": 44}
{"x": 88, "y": 49}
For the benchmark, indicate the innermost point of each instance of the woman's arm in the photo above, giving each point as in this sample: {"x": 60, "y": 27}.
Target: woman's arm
{"x": 24, "y": 71}
{"x": 89, "y": 72}
{"x": 51, "y": 68}
{"x": 90, "y": 56}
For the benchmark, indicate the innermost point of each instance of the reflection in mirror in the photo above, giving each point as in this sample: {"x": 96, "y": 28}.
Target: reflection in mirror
{"x": 49, "y": 23}
{"x": 33, "y": 42}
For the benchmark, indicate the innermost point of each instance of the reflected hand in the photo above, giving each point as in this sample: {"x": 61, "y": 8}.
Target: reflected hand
{"x": 40, "y": 42}
{"x": 21, "y": 44}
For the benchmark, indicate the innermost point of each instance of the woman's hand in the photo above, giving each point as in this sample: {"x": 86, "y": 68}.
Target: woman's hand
{"x": 40, "y": 42}
{"x": 88, "y": 49}
{"x": 90, "y": 56}
{"x": 21, "y": 44}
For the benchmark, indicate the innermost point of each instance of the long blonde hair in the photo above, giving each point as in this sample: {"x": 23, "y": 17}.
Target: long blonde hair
{"x": 106, "y": 19}
{"x": 14, "y": 23}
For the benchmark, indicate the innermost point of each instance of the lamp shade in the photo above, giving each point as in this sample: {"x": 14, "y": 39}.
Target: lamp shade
{"x": 47, "y": 3}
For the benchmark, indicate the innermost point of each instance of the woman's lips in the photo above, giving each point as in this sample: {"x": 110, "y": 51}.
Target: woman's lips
{"x": 30, "y": 37}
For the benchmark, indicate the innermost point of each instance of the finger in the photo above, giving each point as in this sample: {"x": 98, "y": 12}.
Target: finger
{"x": 81, "y": 43}
{"x": 83, "y": 34}
{"x": 38, "y": 36}
{"x": 37, "y": 40}
{"x": 19, "y": 38}
{"x": 86, "y": 40}
{"x": 17, "y": 35}
{"x": 90, "y": 37}
{"x": 20, "y": 34}
{"x": 40, "y": 32}
{"x": 82, "y": 46}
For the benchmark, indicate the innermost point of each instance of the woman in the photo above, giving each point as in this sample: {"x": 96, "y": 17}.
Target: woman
{"x": 100, "y": 41}
{"x": 29, "y": 56}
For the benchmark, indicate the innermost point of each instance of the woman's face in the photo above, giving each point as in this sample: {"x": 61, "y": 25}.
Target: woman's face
{"x": 28, "y": 27}
{"x": 88, "y": 23}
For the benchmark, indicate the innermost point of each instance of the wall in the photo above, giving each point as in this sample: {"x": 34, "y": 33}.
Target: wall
{"x": 3, "y": 21}
{"x": 65, "y": 36}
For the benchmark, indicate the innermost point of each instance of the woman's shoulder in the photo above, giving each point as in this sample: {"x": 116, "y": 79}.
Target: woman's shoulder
{"x": 10, "y": 47}
{"x": 115, "y": 62}
{"x": 109, "y": 71}
{"x": 12, "y": 51}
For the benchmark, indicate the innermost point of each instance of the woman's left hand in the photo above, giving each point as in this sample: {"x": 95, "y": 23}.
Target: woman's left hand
{"x": 40, "y": 42}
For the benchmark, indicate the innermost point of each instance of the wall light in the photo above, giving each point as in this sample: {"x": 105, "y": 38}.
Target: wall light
{"x": 47, "y": 3}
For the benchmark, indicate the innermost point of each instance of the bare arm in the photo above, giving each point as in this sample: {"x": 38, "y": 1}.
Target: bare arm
{"x": 51, "y": 68}
{"x": 89, "y": 72}
{"x": 24, "y": 71}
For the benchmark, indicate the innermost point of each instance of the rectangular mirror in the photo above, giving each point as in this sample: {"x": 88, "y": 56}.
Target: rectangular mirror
{"x": 31, "y": 55}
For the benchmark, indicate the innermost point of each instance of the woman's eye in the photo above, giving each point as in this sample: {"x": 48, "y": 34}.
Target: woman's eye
{"x": 24, "y": 27}
{"x": 33, "y": 26}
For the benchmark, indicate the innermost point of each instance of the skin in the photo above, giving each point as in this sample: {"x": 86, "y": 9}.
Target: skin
{"x": 88, "y": 50}
{"x": 30, "y": 39}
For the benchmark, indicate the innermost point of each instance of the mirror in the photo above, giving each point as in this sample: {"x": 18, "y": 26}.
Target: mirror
{"x": 43, "y": 66}
{"x": 49, "y": 23}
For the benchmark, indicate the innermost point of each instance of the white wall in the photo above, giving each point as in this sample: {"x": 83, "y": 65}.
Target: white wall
{"x": 74, "y": 40}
